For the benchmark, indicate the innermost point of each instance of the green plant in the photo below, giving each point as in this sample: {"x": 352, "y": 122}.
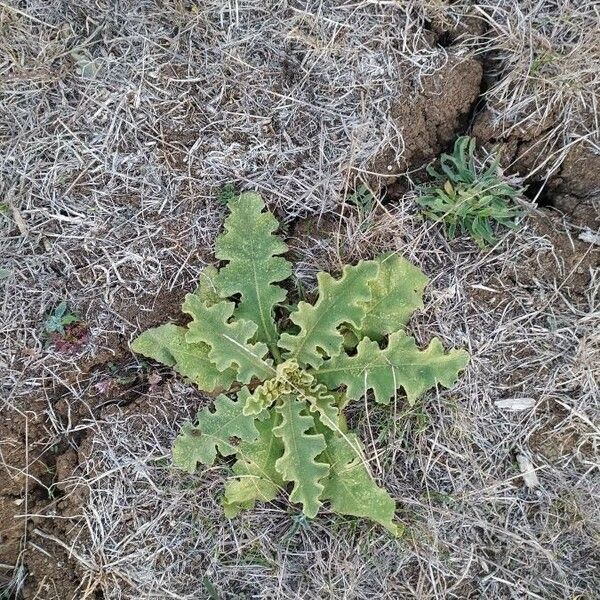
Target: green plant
{"x": 226, "y": 193}
{"x": 67, "y": 333}
{"x": 469, "y": 196}
{"x": 364, "y": 201}
{"x": 60, "y": 316}
{"x": 286, "y": 424}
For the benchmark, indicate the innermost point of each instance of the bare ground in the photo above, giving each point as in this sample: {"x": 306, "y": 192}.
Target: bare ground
{"x": 119, "y": 126}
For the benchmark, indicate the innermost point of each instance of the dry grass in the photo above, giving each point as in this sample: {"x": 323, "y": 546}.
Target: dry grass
{"x": 118, "y": 125}
{"x": 544, "y": 72}
{"x": 475, "y": 528}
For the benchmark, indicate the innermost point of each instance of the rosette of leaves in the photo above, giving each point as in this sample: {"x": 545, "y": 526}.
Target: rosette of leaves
{"x": 282, "y": 421}
{"x": 470, "y": 196}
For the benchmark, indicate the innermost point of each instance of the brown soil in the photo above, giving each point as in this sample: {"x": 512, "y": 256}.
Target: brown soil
{"x": 432, "y": 116}
{"x": 32, "y": 487}
{"x": 37, "y": 469}
{"x": 574, "y": 190}
{"x": 40, "y": 503}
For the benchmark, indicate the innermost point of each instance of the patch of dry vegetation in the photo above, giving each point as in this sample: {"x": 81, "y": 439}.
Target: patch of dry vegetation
{"x": 118, "y": 125}
{"x": 475, "y": 527}
{"x": 544, "y": 72}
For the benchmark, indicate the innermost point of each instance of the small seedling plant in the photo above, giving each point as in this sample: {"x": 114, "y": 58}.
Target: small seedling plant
{"x": 291, "y": 369}
{"x": 468, "y": 196}
{"x": 65, "y": 330}
{"x": 59, "y": 318}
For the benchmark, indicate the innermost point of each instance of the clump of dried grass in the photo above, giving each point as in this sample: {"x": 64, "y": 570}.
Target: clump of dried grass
{"x": 110, "y": 182}
{"x": 119, "y": 126}
{"x": 544, "y": 71}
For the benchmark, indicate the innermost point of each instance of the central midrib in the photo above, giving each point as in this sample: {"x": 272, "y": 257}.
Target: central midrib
{"x": 304, "y": 339}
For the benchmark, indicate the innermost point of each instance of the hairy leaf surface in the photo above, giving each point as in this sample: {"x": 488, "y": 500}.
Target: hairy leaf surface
{"x": 229, "y": 341}
{"x": 397, "y": 292}
{"x": 400, "y": 365}
{"x": 256, "y": 479}
{"x": 221, "y": 430}
{"x": 251, "y": 249}
{"x": 301, "y": 447}
{"x": 339, "y": 301}
{"x": 167, "y": 344}
{"x": 350, "y": 487}
{"x": 290, "y": 432}
{"x": 207, "y": 289}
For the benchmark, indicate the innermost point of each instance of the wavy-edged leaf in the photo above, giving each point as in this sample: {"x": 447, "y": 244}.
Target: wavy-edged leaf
{"x": 157, "y": 343}
{"x": 257, "y": 479}
{"x": 289, "y": 379}
{"x": 253, "y": 266}
{"x": 301, "y": 447}
{"x": 167, "y": 344}
{"x": 400, "y": 365}
{"x": 192, "y": 361}
{"x": 397, "y": 292}
{"x": 221, "y": 429}
{"x": 259, "y": 400}
{"x": 325, "y": 403}
{"x": 339, "y": 301}
{"x": 350, "y": 488}
{"x": 229, "y": 341}
{"x": 207, "y": 289}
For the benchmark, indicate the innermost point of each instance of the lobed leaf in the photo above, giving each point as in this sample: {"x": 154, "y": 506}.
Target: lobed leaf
{"x": 167, "y": 345}
{"x": 219, "y": 430}
{"x": 251, "y": 249}
{"x": 301, "y": 447}
{"x": 207, "y": 289}
{"x": 257, "y": 479}
{"x": 339, "y": 301}
{"x": 229, "y": 341}
{"x": 325, "y": 404}
{"x": 350, "y": 487}
{"x": 396, "y": 293}
{"x": 400, "y": 365}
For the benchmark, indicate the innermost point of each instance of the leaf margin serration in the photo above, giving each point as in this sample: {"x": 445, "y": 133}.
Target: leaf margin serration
{"x": 248, "y": 239}
{"x": 315, "y": 339}
{"x": 396, "y": 293}
{"x": 361, "y": 496}
{"x": 229, "y": 339}
{"x": 255, "y": 478}
{"x": 369, "y": 358}
{"x": 306, "y": 489}
{"x": 214, "y": 433}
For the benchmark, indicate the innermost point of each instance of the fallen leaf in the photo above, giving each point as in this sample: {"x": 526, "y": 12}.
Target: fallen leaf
{"x": 515, "y": 403}
{"x": 528, "y": 471}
